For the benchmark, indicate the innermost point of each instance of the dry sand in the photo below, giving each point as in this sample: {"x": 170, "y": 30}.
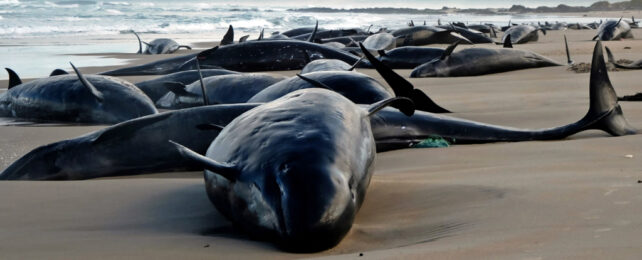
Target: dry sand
{"x": 577, "y": 198}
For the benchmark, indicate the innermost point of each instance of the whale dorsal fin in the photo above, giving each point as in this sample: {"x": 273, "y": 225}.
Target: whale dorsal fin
{"x": 314, "y": 82}
{"x": 57, "y": 72}
{"x": 226, "y": 170}
{"x": 244, "y": 38}
{"x": 140, "y": 44}
{"x": 95, "y": 92}
{"x": 210, "y": 127}
{"x": 261, "y": 35}
{"x": 314, "y": 33}
{"x": 179, "y": 89}
{"x": 228, "y": 38}
{"x": 404, "y": 104}
{"x": 508, "y": 42}
{"x": 618, "y": 22}
{"x": 14, "y": 79}
{"x": 126, "y": 129}
{"x": 448, "y": 51}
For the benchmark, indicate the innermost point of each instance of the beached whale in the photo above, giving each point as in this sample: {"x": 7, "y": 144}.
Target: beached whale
{"x": 522, "y": 34}
{"x": 291, "y": 173}
{"x": 470, "y": 34}
{"x": 326, "y": 65}
{"x": 480, "y": 61}
{"x": 251, "y": 56}
{"x": 75, "y": 98}
{"x": 409, "y": 57}
{"x": 611, "y": 30}
{"x": 380, "y": 41}
{"x": 423, "y": 35}
{"x": 159, "y": 46}
{"x": 224, "y": 89}
{"x": 157, "y": 87}
{"x": 116, "y": 150}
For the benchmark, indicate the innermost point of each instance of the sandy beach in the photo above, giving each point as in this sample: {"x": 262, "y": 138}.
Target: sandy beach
{"x": 578, "y": 198}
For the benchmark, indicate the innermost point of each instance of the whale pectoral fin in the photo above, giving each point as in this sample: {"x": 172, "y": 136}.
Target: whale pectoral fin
{"x": 57, "y": 72}
{"x": 126, "y": 129}
{"x": 568, "y": 53}
{"x": 228, "y": 38}
{"x": 405, "y": 105}
{"x": 401, "y": 87}
{"x": 210, "y": 127}
{"x": 94, "y": 91}
{"x": 544, "y": 30}
{"x": 382, "y": 53}
{"x": 356, "y": 64}
{"x": 595, "y": 37}
{"x": 314, "y": 83}
{"x": 314, "y": 33}
{"x": 508, "y": 43}
{"x": 224, "y": 169}
{"x": 184, "y": 46}
{"x": 14, "y": 79}
{"x": 449, "y": 50}
{"x": 178, "y": 89}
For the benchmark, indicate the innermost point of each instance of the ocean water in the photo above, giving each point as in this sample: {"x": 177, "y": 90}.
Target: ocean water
{"x": 24, "y": 21}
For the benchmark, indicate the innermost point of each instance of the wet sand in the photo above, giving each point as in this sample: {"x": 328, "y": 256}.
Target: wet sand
{"x": 576, "y": 198}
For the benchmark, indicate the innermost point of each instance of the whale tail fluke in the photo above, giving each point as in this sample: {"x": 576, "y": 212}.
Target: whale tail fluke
{"x": 604, "y": 113}
{"x": 401, "y": 87}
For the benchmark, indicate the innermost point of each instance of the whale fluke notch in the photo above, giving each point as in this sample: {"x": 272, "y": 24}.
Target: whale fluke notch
{"x": 402, "y": 87}
{"x": 404, "y": 104}
{"x": 126, "y": 129}
{"x": 58, "y": 72}
{"x": 210, "y": 127}
{"x": 314, "y": 82}
{"x": 14, "y": 79}
{"x": 568, "y": 53}
{"x": 224, "y": 169}
{"x": 228, "y": 38}
{"x": 94, "y": 91}
{"x": 140, "y": 44}
{"x": 449, "y": 50}
{"x": 603, "y": 99}
{"x": 314, "y": 32}
{"x": 179, "y": 89}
